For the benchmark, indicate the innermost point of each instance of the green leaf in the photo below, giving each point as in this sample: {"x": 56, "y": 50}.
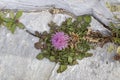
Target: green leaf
{"x": 88, "y": 54}
{"x": 12, "y": 14}
{"x": 13, "y": 28}
{"x": 74, "y": 62}
{"x": 18, "y": 15}
{"x": 87, "y": 18}
{"x": 20, "y": 25}
{"x": 70, "y": 59}
{"x": 40, "y": 56}
{"x": 8, "y": 25}
{"x": 1, "y": 21}
{"x": 69, "y": 21}
{"x": 62, "y": 68}
{"x": 80, "y": 56}
{"x": 52, "y": 58}
{"x": 116, "y": 40}
{"x": 80, "y": 18}
{"x": 8, "y": 20}
{"x": 2, "y": 15}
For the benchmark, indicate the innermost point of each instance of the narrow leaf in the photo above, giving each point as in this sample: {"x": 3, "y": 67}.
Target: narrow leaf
{"x": 20, "y": 25}
{"x": 13, "y": 28}
{"x": 88, "y": 54}
{"x": 62, "y": 68}
{"x": 18, "y": 15}
{"x": 12, "y": 14}
{"x": 40, "y": 56}
{"x": 80, "y": 56}
{"x": 70, "y": 59}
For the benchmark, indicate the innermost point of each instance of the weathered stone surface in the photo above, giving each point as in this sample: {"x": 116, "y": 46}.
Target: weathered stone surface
{"x": 17, "y": 52}
{"x": 36, "y": 21}
{"x": 17, "y": 57}
{"x": 96, "y": 8}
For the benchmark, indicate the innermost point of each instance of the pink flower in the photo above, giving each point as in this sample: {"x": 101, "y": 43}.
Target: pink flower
{"x": 60, "y": 40}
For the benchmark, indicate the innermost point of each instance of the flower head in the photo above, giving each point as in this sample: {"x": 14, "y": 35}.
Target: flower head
{"x": 60, "y": 40}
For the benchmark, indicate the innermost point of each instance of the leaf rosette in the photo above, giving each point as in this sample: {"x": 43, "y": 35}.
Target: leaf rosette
{"x": 65, "y": 44}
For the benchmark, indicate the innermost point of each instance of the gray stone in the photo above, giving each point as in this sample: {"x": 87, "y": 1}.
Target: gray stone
{"x": 18, "y": 55}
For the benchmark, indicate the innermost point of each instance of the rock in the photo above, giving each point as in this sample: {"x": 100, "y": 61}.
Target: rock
{"x": 18, "y": 55}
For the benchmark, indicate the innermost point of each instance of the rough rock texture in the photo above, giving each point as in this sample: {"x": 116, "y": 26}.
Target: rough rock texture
{"x": 17, "y": 54}
{"x": 17, "y": 58}
{"x": 96, "y": 8}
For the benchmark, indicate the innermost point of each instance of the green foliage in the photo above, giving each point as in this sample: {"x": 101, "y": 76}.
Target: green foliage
{"x": 115, "y": 33}
{"x": 116, "y": 40}
{"x": 62, "y": 68}
{"x": 11, "y": 20}
{"x": 18, "y": 15}
{"x": 77, "y": 48}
